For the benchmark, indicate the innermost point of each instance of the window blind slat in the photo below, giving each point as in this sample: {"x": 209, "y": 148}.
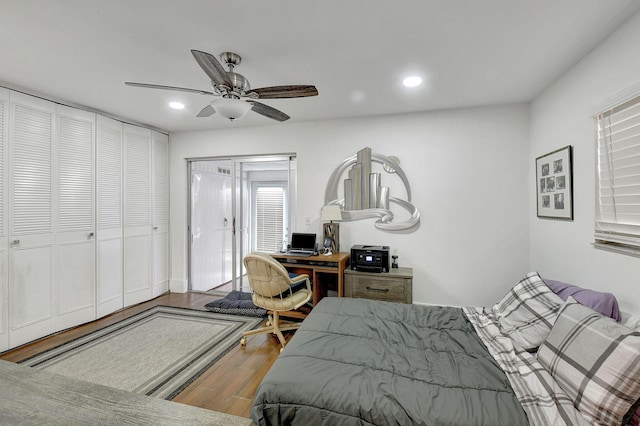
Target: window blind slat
{"x": 620, "y": 132}
{"x": 620, "y": 190}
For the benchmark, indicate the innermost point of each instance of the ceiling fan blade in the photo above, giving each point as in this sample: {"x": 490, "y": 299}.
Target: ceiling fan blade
{"x": 207, "y": 111}
{"x": 269, "y": 112}
{"x": 157, "y": 86}
{"x": 212, "y": 67}
{"x": 276, "y": 92}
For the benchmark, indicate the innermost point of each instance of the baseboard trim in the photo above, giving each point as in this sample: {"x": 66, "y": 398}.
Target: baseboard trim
{"x": 178, "y": 286}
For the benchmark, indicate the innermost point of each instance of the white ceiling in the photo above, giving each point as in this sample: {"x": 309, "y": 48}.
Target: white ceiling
{"x": 356, "y": 52}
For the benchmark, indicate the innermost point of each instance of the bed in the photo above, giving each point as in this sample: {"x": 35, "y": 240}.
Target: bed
{"x": 363, "y": 362}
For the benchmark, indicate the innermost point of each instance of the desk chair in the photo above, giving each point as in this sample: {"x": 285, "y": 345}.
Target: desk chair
{"x": 271, "y": 289}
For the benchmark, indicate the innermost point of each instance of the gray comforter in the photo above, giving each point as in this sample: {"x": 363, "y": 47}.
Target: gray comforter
{"x": 361, "y": 362}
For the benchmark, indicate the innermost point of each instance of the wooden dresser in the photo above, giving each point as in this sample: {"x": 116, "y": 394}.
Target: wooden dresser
{"x": 393, "y": 286}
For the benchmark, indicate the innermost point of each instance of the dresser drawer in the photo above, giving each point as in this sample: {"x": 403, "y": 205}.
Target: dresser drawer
{"x": 378, "y": 287}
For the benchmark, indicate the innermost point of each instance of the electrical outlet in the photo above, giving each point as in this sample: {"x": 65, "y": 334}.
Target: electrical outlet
{"x": 307, "y": 221}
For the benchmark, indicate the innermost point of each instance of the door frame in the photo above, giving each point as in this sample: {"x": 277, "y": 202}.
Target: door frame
{"x": 237, "y": 266}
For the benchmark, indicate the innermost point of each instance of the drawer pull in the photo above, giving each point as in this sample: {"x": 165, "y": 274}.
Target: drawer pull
{"x": 377, "y": 289}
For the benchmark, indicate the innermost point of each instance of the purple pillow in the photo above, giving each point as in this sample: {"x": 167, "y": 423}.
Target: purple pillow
{"x": 604, "y": 303}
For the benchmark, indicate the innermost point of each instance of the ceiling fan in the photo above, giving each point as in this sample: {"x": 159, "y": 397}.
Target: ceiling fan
{"x": 237, "y": 97}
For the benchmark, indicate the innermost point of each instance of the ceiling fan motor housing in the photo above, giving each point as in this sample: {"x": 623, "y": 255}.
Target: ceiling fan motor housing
{"x": 240, "y": 83}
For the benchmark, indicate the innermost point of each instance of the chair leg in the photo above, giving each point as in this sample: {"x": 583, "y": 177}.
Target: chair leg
{"x": 276, "y": 329}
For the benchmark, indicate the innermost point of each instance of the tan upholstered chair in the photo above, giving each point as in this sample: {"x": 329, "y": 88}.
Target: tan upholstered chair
{"x": 271, "y": 289}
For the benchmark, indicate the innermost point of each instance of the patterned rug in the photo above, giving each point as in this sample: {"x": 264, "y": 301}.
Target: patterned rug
{"x": 158, "y": 352}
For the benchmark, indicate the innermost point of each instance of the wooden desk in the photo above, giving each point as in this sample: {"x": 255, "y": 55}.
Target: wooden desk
{"x": 315, "y": 267}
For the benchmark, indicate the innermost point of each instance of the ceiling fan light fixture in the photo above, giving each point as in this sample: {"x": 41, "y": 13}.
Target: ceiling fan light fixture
{"x": 231, "y": 108}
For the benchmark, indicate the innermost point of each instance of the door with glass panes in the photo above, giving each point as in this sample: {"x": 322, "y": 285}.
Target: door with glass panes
{"x": 237, "y": 205}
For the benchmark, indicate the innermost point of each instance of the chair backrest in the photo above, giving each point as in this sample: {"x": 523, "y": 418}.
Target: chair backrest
{"x": 267, "y": 277}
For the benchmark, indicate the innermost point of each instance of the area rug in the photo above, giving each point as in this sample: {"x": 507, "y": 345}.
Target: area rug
{"x": 158, "y": 352}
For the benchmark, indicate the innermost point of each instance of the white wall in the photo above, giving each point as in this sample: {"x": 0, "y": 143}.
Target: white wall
{"x": 561, "y": 116}
{"x": 468, "y": 170}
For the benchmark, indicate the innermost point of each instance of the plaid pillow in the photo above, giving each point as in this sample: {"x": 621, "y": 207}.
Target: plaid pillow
{"x": 595, "y": 360}
{"x": 527, "y": 312}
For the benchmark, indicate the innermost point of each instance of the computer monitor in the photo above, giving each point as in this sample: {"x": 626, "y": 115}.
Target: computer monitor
{"x": 302, "y": 241}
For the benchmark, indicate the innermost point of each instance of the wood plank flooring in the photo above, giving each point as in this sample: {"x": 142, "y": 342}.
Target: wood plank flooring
{"x": 228, "y": 386}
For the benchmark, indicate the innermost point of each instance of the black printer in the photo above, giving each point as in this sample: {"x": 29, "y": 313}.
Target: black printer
{"x": 370, "y": 258}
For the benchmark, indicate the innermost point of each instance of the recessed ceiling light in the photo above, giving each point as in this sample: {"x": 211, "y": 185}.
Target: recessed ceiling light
{"x": 412, "y": 81}
{"x": 176, "y": 105}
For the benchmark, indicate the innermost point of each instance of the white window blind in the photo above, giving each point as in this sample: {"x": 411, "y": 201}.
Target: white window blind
{"x": 269, "y": 218}
{"x": 618, "y": 205}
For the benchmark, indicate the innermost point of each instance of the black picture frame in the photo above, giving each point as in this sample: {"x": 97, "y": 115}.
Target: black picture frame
{"x": 554, "y": 184}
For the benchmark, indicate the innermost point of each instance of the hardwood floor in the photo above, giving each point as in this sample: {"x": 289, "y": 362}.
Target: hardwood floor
{"x": 228, "y": 386}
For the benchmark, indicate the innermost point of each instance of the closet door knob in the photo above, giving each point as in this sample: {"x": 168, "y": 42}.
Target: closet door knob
{"x": 15, "y": 242}
{"x": 91, "y": 234}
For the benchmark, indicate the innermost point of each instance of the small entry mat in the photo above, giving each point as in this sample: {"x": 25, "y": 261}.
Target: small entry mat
{"x": 236, "y": 303}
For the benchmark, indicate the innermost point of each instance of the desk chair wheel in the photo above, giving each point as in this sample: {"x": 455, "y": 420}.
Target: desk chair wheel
{"x": 243, "y": 341}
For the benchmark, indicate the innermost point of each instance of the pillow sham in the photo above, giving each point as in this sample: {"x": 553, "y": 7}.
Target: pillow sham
{"x": 605, "y": 303}
{"x": 595, "y": 360}
{"x": 527, "y": 312}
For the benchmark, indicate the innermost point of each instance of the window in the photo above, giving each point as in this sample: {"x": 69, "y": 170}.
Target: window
{"x": 618, "y": 198}
{"x": 269, "y": 216}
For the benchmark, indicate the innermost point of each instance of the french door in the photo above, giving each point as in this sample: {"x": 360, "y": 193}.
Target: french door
{"x": 230, "y": 215}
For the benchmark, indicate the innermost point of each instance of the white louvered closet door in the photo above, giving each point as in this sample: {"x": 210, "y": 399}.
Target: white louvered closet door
{"x": 109, "y": 239}
{"x": 137, "y": 215}
{"x": 31, "y": 253}
{"x": 160, "y": 213}
{"x": 75, "y": 228}
{"x": 4, "y": 256}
